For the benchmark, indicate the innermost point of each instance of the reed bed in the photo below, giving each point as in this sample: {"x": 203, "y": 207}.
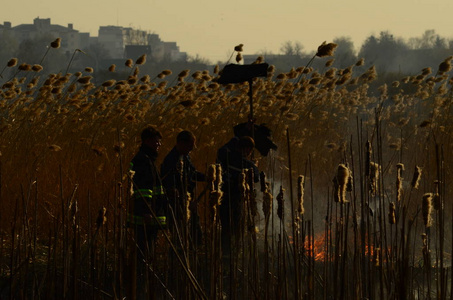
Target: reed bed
{"x": 354, "y": 204}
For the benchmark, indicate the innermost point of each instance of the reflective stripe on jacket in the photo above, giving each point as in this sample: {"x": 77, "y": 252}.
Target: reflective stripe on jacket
{"x": 139, "y": 220}
{"x": 147, "y": 193}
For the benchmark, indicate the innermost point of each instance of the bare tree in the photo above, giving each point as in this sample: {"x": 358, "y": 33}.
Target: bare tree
{"x": 292, "y": 48}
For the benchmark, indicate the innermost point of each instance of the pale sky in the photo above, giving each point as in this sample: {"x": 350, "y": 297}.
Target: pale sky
{"x": 211, "y": 28}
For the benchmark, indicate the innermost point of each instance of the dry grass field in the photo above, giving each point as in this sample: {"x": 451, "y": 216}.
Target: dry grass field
{"x": 357, "y": 206}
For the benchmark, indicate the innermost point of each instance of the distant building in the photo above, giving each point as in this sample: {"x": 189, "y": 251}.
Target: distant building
{"x": 121, "y": 42}
{"x": 135, "y": 51}
{"x": 71, "y": 39}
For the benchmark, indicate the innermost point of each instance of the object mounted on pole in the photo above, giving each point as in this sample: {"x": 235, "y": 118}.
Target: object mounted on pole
{"x": 233, "y": 73}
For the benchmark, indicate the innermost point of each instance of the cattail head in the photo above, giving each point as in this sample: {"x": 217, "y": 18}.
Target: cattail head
{"x": 141, "y": 60}
{"x": 259, "y": 60}
{"x": 426, "y": 209}
{"x": 84, "y": 79}
{"x": 214, "y": 198}
{"x": 326, "y": 49}
{"x": 342, "y": 174}
{"x": 128, "y": 63}
{"x": 24, "y": 67}
{"x": 360, "y": 62}
{"x": 36, "y": 68}
{"x": 108, "y": 83}
{"x": 239, "y": 48}
{"x": 416, "y": 178}
{"x": 56, "y": 43}
{"x": 329, "y": 62}
{"x": 445, "y": 66}
{"x": 238, "y": 57}
{"x": 12, "y": 62}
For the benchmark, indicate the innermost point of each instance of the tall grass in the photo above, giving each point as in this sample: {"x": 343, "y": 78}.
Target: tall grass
{"x": 357, "y": 229}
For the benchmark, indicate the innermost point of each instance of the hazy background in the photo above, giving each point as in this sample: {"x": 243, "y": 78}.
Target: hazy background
{"x": 212, "y": 28}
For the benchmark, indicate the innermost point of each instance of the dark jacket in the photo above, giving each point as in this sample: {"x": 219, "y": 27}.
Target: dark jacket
{"x": 233, "y": 163}
{"x": 177, "y": 180}
{"x": 147, "y": 186}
